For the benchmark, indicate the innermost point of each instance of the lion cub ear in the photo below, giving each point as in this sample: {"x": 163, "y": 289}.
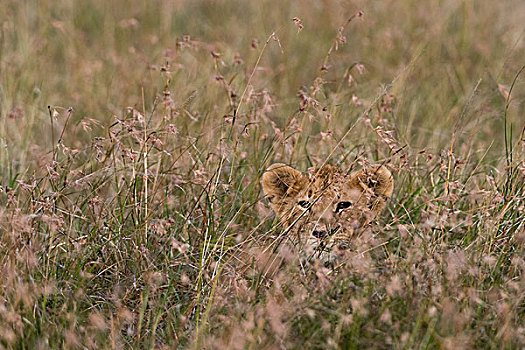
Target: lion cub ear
{"x": 377, "y": 179}
{"x": 278, "y": 183}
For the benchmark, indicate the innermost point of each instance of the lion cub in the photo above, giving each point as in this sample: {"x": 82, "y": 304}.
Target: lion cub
{"x": 325, "y": 208}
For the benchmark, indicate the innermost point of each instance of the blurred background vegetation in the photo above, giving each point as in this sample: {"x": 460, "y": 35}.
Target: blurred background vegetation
{"x": 99, "y": 56}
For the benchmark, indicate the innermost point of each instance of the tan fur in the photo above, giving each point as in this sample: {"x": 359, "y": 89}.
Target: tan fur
{"x": 327, "y": 207}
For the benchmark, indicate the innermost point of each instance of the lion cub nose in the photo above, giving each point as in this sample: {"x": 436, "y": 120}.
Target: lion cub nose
{"x": 319, "y": 234}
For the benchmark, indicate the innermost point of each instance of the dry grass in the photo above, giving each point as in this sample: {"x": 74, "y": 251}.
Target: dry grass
{"x": 135, "y": 218}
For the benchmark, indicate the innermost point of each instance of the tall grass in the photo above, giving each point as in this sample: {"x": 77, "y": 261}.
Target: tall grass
{"x": 134, "y": 136}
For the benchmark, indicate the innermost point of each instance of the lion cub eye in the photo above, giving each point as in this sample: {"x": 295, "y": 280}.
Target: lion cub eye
{"x": 343, "y": 205}
{"x": 304, "y": 204}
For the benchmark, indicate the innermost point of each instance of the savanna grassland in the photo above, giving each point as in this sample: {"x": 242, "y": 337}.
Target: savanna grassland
{"x": 134, "y": 135}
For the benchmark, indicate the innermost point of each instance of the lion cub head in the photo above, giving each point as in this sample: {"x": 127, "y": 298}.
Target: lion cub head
{"x": 328, "y": 206}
